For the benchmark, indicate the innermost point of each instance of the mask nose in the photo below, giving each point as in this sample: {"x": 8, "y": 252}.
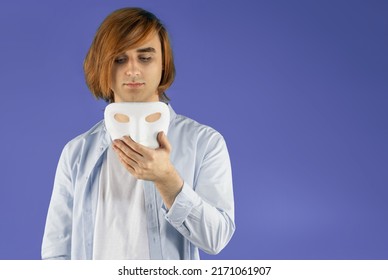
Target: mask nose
{"x": 135, "y": 132}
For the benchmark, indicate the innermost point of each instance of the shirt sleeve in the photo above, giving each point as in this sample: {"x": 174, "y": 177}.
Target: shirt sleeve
{"x": 57, "y": 235}
{"x": 204, "y": 213}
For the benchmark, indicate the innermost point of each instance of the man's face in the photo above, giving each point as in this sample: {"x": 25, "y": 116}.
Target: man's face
{"x": 136, "y": 73}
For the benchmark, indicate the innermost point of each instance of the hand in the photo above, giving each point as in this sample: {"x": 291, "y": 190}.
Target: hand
{"x": 151, "y": 164}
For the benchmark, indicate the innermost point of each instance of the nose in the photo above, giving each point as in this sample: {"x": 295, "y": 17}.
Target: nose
{"x": 132, "y": 69}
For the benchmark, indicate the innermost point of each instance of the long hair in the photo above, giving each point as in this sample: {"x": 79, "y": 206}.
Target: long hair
{"x": 125, "y": 29}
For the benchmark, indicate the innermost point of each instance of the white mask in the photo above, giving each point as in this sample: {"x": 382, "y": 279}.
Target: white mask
{"x": 142, "y": 121}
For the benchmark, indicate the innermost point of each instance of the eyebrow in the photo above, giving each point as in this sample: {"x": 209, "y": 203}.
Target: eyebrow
{"x": 145, "y": 50}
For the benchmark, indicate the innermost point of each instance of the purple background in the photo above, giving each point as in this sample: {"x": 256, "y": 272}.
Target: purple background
{"x": 299, "y": 89}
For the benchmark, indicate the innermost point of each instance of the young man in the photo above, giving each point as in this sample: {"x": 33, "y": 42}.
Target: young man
{"x": 121, "y": 200}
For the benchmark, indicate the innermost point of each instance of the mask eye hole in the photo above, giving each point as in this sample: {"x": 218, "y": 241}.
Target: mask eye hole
{"x": 153, "y": 117}
{"x": 121, "y": 118}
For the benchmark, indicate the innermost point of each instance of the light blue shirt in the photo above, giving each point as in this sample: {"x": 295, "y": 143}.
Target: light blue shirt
{"x": 201, "y": 217}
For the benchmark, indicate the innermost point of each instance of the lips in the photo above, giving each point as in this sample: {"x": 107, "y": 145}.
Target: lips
{"x": 134, "y": 85}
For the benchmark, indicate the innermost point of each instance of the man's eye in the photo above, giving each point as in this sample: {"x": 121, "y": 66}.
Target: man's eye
{"x": 144, "y": 58}
{"x": 120, "y": 60}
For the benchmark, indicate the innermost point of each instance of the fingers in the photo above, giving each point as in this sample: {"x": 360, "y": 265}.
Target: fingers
{"x": 140, "y": 149}
{"x": 129, "y": 147}
{"x": 125, "y": 152}
{"x": 143, "y": 162}
{"x": 163, "y": 142}
{"x": 129, "y": 167}
{"x": 128, "y": 157}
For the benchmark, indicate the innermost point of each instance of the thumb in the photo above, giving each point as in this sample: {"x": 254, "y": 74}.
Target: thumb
{"x": 163, "y": 141}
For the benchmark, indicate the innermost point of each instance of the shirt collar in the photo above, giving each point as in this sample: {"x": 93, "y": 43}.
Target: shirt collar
{"x": 172, "y": 113}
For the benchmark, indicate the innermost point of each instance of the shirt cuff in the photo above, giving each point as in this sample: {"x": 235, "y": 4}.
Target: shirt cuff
{"x": 185, "y": 201}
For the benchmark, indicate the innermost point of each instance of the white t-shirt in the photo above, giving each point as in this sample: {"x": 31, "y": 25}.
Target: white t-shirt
{"x": 120, "y": 230}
